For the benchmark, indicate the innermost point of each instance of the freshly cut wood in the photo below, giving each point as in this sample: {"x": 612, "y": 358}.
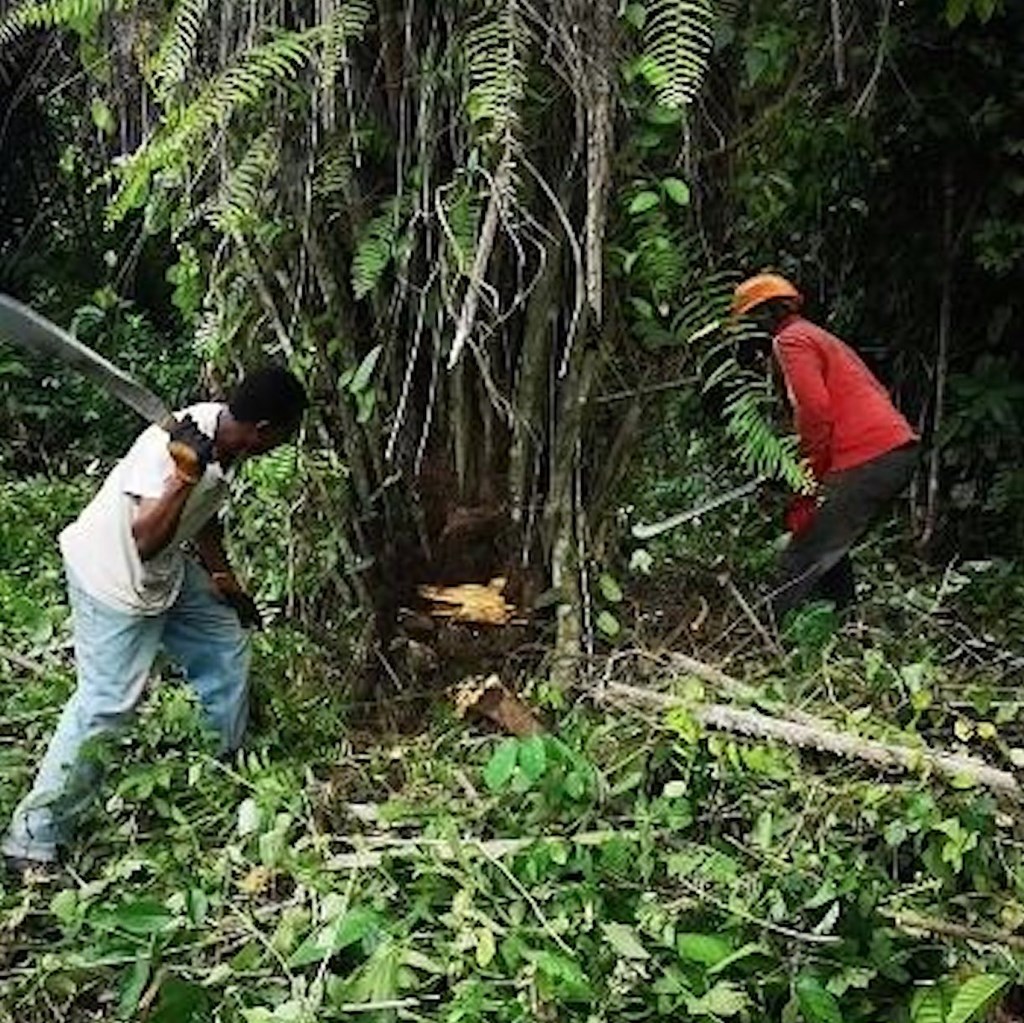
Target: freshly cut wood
{"x": 821, "y": 736}
{"x": 471, "y": 602}
{"x": 490, "y": 698}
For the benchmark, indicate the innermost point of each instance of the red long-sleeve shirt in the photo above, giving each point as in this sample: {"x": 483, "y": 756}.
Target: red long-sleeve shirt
{"x": 844, "y": 416}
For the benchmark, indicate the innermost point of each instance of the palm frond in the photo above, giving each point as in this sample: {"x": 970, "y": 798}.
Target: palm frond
{"x": 678, "y": 36}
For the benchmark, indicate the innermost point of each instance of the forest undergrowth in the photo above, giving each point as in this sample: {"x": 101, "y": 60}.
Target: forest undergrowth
{"x": 627, "y": 864}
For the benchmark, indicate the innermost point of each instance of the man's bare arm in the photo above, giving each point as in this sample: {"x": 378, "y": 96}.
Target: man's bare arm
{"x": 156, "y": 518}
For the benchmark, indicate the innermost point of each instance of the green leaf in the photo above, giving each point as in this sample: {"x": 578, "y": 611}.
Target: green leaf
{"x": 610, "y": 589}
{"x": 724, "y": 999}
{"x": 752, "y": 948}
{"x": 928, "y": 1005}
{"x": 678, "y": 191}
{"x": 957, "y": 11}
{"x": 102, "y": 117}
{"x": 643, "y": 201}
{"x": 248, "y": 817}
{"x": 144, "y": 917}
{"x": 975, "y": 996}
{"x": 362, "y": 375}
{"x": 133, "y": 983}
{"x": 500, "y": 768}
{"x": 533, "y": 760}
{"x": 708, "y": 949}
{"x": 485, "y": 947}
{"x": 623, "y": 939}
{"x": 64, "y": 905}
{"x": 365, "y": 402}
{"x": 608, "y": 624}
{"x": 347, "y": 930}
{"x": 762, "y": 833}
{"x": 180, "y": 1002}
{"x": 635, "y": 15}
{"x": 816, "y": 1003}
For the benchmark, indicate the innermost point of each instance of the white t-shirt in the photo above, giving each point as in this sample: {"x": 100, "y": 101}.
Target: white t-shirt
{"x": 99, "y": 548}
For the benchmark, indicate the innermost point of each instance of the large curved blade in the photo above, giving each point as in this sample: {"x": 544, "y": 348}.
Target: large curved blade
{"x": 34, "y": 333}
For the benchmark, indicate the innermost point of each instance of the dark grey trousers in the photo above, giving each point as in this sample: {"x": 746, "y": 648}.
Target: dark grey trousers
{"x": 816, "y": 563}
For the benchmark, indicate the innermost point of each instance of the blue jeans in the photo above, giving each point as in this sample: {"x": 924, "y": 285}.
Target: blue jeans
{"x": 114, "y": 653}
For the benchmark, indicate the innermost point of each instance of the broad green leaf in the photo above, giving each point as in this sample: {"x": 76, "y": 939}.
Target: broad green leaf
{"x": 533, "y": 760}
{"x": 565, "y": 973}
{"x": 752, "y": 948}
{"x": 671, "y": 982}
{"x": 816, "y": 1003}
{"x": 248, "y": 817}
{"x": 64, "y": 905}
{"x": 623, "y": 939}
{"x": 133, "y": 983}
{"x": 143, "y": 917}
{"x": 485, "y": 947}
{"x": 975, "y": 996}
{"x": 678, "y": 191}
{"x": 180, "y": 1002}
{"x": 339, "y": 934}
{"x": 502, "y": 765}
{"x": 608, "y": 624}
{"x": 708, "y": 949}
{"x": 723, "y": 1000}
{"x": 362, "y": 375}
{"x": 643, "y": 201}
{"x": 610, "y": 589}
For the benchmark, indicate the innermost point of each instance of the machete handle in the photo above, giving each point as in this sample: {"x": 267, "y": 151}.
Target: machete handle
{"x": 185, "y": 459}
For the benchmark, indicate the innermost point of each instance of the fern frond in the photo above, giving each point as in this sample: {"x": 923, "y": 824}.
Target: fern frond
{"x": 237, "y": 206}
{"x": 678, "y": 36}
{"x": 462, "y": 216}
{"x": 347, "y": 23}
{"x": 333, "y": 174}
{"x": 760, "y": 448}
{"x": 496, "y": 52}
{"x": 178, "y": 47}
{"x": 240, "y": 86}
{"x": 376, "y": 249}
{"x": 78, "y": 15}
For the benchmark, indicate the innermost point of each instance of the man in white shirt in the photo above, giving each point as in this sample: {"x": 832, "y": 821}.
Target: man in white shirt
{"x": 134, "y": 589}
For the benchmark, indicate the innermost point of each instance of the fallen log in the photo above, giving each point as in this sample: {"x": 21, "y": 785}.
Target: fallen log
{"x": 818, "y": 734}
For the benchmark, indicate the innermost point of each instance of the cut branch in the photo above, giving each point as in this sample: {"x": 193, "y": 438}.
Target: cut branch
{"x": 820, "y": 736}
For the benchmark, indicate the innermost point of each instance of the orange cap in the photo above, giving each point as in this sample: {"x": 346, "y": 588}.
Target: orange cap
{"x": 755, "y": 290}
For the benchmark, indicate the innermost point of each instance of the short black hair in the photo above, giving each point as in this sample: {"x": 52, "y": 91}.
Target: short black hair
{"x": 270, "y": 394}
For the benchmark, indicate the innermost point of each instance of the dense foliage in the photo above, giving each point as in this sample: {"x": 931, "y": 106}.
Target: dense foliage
{"x": 653, "y": 871}
{"x": 497, "y": 238}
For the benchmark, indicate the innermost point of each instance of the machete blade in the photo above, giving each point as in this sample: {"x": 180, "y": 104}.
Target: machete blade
{"x": 647, "y": 530}
{"x": 34, "y": 333}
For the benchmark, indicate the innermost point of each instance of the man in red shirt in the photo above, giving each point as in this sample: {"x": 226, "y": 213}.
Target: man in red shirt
{"x": 860, "y": 449}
